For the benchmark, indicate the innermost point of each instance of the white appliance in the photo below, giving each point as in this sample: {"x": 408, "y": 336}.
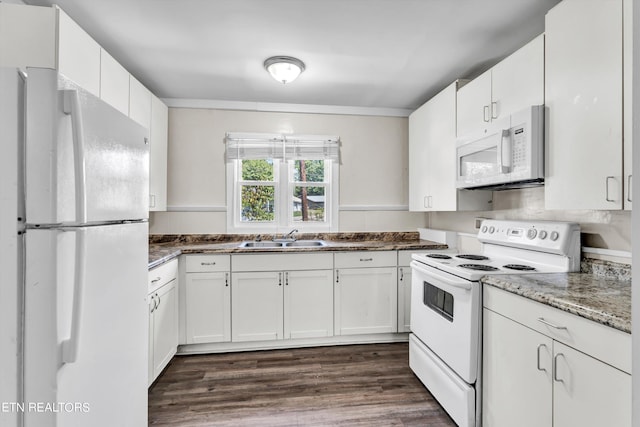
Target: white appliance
{"x": 446, "y": 304}
{"x": 509, "y": 154}
{"x": 74, "y": 234}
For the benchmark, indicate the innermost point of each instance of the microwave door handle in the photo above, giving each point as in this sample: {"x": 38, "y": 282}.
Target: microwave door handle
{"x": 504, "y": 166}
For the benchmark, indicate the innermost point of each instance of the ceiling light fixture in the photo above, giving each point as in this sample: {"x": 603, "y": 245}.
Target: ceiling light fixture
{"x": 284, "y": 69}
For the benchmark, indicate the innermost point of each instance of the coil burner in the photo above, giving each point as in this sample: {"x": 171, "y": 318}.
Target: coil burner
{"x": 472, "y": 257}
{"x": 479, "y": 267}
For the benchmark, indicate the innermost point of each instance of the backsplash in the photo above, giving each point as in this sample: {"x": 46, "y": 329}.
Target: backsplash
{"x": 606, "y": 269}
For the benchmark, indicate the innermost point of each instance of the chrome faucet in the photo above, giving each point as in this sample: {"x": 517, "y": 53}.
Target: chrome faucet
{"x": 289, "y": 235}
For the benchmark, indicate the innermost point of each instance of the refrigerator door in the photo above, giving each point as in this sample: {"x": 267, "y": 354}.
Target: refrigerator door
{"x": 86, "y": 324}
{"x": 85, "y": 161}
{"x": 11, "y": 105}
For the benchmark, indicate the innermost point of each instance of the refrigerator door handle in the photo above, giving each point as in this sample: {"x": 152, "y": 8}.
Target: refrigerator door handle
{"x": 70, "y": 346}
{"x": 72, "y": 108}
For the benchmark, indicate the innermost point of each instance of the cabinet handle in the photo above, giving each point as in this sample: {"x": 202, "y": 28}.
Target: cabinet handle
{"x": 156, "y": 279}
{"x": 208, "y": 263}
{"x": 401, "y": 274}
{"x": 153, "y": 303}
{"x": 159, "y": 300}
{"x": 286, "y": 278}
{"x": 337, "y": 276}
{"x": 538, "y": 358}
{"x": 607, "y": 189}
{"x": 546, "y": 322}
{"x": 485, "y": 113}
{"x": 366, "y": 259}
{"x": 279, "y": 279}
{"x": 555, "y": 368}
{"x": 629, "y": 181}
{"x": 226, "y": 279}
{"x": 494, "y": 111}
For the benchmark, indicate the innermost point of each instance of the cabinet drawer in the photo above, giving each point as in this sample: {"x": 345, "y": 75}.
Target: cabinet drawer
{"x": 366, "y": 259}
{"x": 281, "y": 262}
{"x": 607, "y": 344}
{"x": 207, "y": 263}
{"x": 162, "y": 275}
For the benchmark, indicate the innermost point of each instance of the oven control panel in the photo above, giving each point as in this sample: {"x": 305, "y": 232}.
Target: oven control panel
{"x": 547, "y": 236}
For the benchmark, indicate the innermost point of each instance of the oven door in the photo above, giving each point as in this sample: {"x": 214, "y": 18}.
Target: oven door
{"x": 445, "y": 316}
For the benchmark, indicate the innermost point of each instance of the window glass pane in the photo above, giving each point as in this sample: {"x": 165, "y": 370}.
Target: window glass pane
{"x": 308, "y": 170}
{"x": 258, "y": 203}
{"x": 257, "y": 170}
{"x": 308, "y": 204}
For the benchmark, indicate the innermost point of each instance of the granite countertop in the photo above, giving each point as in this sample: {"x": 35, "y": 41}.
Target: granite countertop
{"x": 603, "y": 298}
{"x": 166, "y": 247}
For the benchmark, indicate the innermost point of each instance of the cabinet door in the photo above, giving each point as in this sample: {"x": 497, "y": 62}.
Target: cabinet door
{"x": 207, "y": 308}
{"x": 583, "y": 93}
{"x": 150, "y": 376}
{"x": 158, "y": 155}
{"x": 474, "y": 105}
{"x": 404, "y": 299}
{"x": 139, "y": 103}
{"x": 419, "y": 183}
{"x": 366, "y": 300}
{"x": 628, "y": 102}
{"x": 516, "y": 367}
{"x": 114, "y": 83}
{"x": 78, "y": 54}
{"x": 256, "y": 306}
{"x": 308, "y": 304}
{"x": 587, "y": 392}
{"x": 165, "y": 327}
{"x": 517, "y": 82}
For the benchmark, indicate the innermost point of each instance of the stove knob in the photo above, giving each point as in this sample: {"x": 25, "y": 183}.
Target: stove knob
{"x": 492, "y": 229}
{"x": 484, "y": 229}
{"x": 554, "y": 235}
{"x": 542, "y": 235}
{"x": 531, "y": 233}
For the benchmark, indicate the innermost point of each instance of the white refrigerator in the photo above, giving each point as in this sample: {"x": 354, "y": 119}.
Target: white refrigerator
{"x": 73, "y": 244}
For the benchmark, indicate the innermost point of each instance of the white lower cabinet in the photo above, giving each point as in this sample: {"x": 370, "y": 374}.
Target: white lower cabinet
{"x": 366, "y": 293}
{"x": 207, "y": 295}
{"x": 537, "y": 370}
{"x": 404, "y": 298}
{"x": 163, "y": 317}
{"x": 272, "y": 301}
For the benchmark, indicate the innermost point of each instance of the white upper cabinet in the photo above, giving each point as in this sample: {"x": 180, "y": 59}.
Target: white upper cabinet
{"x": 584, "y": 95}
{"x": 513, "y": 84}
{"x": 78, "y": 54}
{"x": 432, "y": 153}
{"x": 114, "y": 83}
{"x": 158, "y": 155}
{"x": 627, "y": 59}
{"x": 33, "y": 36}
{"x": 139, "y": 102}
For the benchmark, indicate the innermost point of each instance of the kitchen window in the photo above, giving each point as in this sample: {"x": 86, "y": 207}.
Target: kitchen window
{"x": 276, "y": 183}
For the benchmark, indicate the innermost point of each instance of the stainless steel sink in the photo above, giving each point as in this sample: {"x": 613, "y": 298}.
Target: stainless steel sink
{"x": 289, "y": 244}
{"x": 261, "y": 244}
{"x": 306, "y": 243}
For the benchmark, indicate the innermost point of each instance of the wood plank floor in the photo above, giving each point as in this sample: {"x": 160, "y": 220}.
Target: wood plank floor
{"x": 355, "y": 385}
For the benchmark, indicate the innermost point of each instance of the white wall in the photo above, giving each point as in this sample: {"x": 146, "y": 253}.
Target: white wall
{"x": 373, "y": 173}
{"x": 600, "y": 229}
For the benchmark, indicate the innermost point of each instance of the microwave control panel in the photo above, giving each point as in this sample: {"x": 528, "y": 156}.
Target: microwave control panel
{"x": 519, "y": 146}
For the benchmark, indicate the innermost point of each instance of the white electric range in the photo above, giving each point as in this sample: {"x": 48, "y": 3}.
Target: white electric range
{"x": 446, "y": 303}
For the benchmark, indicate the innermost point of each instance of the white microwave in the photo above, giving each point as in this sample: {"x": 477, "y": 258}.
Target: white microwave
{"x": 509, "y": 154}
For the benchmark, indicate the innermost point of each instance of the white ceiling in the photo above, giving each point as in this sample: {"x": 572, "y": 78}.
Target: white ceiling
{"x": 363, "y": 53}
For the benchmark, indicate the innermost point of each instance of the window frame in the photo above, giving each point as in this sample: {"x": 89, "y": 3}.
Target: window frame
{"x": 283, "y": 195}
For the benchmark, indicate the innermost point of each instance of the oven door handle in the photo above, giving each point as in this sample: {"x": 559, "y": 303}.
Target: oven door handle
{"x": 442, "y": 277}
